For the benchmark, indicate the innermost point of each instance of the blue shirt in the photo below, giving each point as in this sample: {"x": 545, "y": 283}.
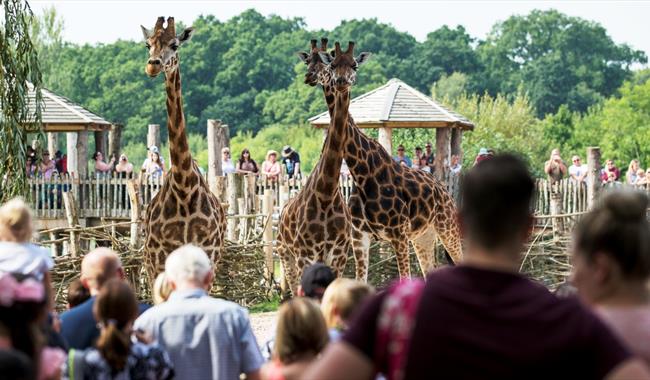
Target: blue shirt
{"x": 206, "y": 337}
{"x": 78, "y": 325}
{"x": 406, "y": 160}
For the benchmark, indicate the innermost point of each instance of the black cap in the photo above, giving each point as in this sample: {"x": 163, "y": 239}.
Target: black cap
{"x": 315, "y": 279}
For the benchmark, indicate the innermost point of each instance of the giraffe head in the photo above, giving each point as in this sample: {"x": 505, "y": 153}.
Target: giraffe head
{"x": 162, "y": 43}
{"x": 315, "y": 67}
{"x": 342, "y": 65}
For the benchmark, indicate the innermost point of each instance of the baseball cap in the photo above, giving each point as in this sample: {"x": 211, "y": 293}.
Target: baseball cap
{"x": 315, "y": 279}
{"x": 483, "y": 151}
{"x": 154, "y": 149}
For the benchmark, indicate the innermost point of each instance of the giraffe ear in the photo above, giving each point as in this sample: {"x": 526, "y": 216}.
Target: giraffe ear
{"x": 325, "y": 57}
{"x": 303, "y": 56}
{"x": 363, "y": 58}
{"x": 186, "y": 35}
{"x": 146, "y": 32}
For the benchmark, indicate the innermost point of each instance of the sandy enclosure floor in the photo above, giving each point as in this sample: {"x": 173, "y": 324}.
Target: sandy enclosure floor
{"x": 263, "y": 325}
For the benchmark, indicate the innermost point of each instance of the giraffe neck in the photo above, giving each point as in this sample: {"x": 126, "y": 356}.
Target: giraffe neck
{"x": 179, "y": 150}
{"x": 328, "y": 92}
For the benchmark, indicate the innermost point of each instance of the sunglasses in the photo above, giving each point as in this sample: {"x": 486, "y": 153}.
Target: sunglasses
{"x": 400, "y": 150}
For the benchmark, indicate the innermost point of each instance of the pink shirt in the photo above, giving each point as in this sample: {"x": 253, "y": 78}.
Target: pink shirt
{"x": 632, "y": 325}
{"x": 271, "y": 169}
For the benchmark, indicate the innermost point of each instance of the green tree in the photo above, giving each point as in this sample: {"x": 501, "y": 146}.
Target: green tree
{"x": 19, "y": 65}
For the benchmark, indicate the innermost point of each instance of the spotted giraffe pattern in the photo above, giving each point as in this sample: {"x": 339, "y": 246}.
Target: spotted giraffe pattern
{"x": 184, "y": 211}
{"x": 390, "y": 202}
{"x": 315, "y": 225}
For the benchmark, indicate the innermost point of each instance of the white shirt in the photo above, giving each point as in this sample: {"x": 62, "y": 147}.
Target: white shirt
{"x": 578, "y": 170}
{"x": 227, "y": 167}
{"x": 25, "y": 258}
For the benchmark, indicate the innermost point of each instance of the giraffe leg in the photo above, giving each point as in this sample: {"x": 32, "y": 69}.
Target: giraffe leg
{"x": 288, "y": 263}
{"x": 425, "y": 250}
{"x": 361, "y": 250}
{"x": 449, "y": 233}
{"x": 339, "y": 258}
{"x": 401, "y": 248}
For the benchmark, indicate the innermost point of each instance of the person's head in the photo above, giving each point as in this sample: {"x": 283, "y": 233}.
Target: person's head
{"x": 271, "y": 155}
{"x": 301, "y": 331}
{"x": 161, "y": 289}
{"x": 245, "y": 155}
{"x": 315, "y": 279}
{"x": 342, "y": 297}
{"x": 98, "y": 267}
{"x": 153, "y": 149}
{"x": 162, "y": 43}
{"x": 29, "y": 161}
{"x": 23, "y": 308}
{"x": 155, "y": 157}
{"x": 225, "y": 153}
{"x": 634, "y": 165}
{"x": 16, "y": 221}
{"x": 400, "y": 150}
{"x": 98, "y": 156}
{"x": 555, "y": 154}
{"x": 123, "y": 159}
{"x": 428, "y": 147}
{"x": 418, "y": 151}
{"x": 16, "y": 365}
{"x": 609, "y": 164}
{"x": 46, "y": 156}
{"x": 611, "y": 177}
{"x": 115, "y": 309}
{"x": 483, "y": 152}
{"x": 611, "y": 246}
{"x": 189, "y": 267}
{"x": 287, "y": 151}
{"x": 640, "y": 173}
{"x": 576, "y": 160}
{"x": 455, "y": 159}
{"x": 495, "y": 213}
{"x": 77, "y": 293}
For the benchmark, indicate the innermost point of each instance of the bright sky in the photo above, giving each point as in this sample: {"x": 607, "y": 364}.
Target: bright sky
{"x": 105, "y": 21}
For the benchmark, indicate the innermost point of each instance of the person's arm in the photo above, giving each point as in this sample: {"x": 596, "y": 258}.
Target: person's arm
{"x": 341, "y": 361}
{"x": 562, "y": 168}
{"x": 547, "y": 167}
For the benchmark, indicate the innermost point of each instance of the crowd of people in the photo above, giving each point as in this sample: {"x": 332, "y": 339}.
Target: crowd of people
{"x": 556, "y": 169}
{"x": 479, "y": 319}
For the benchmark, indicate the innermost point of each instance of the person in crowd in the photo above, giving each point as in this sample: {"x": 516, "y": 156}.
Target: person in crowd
{"x": 314, "y": 281}
{"x": 246, "y": 164}
{"x": 641, "y": 177}
{"x": 480, "y": 319}
{"x": 482, "y": 155}
{"x": 23, "y": 310}
{"x": 555, "y": 168}
{"x": 155, "y": 167}
{"x": 78, "y": 325}
{"x": 227, "y": 165}
{"x": 15, "y": 365}
{"x": 58, "y": 161}
{"x": 291, "y": 162}
{"x": 151, "y": 150}
{"x": 612, "y": 182}
{"x": 102, "y": 167}
{"x": 630, "y": 176}
{"x": 402, "y": 158}
{"x": 116, "y": 355}
{"x": 47, "y": 167}
{"x": 340, "y": 300}
{"x": 428, "y": 158}
{"x": 30, "y": 167}
{"x": 206, "y": 337}
{"x": 77, "y": 294}
{"x": 417, "y": 158}
{"x": 455, "y": 165}
{"x": 270, "y": 167}
{"x": 610, "y": 168}
{"x": 300, "y": 336}
{"x": 578, "y": 171}
{"x": 611, "y": 265}
{"x": 124, "y": 168}
{"x": 161, "y": 289}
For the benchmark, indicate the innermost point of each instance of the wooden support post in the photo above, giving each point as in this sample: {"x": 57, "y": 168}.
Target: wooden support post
{"x": 114, "y": 140}
{"x": 557, "y": 208}
{"x": 234, "y": 192}
{"x": 82, "y": 153}
{"x": 54, "y": 248}
{"x": 267, "y": 236}
{"x": 73, "y": 222}
{"x": 52, "y": 143}
{"x": 71, "y": 147}
{"x": 441, "y": 162}
{"x": 283, "y": 196}
{"x": 132, "y": 189}
{"x": 218, "y": 138}
{"x": 153, "y": 135}
{"x": 250, "y": 192}
{"x": 593, "y": 175}
{"x": 243, "y": 222}
{"x": 456, "y": 142}
{"x": 385, "y": 138}
{"x": 101, "y": 144}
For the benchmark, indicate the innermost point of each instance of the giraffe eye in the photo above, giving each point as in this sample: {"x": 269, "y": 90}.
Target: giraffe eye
{"x": 174, "y": 47}
{"x": 147, "y": 45}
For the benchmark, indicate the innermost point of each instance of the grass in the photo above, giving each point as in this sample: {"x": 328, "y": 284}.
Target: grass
{"x": 271, "y": 305}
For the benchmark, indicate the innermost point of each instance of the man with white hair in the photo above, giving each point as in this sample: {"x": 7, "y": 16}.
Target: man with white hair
{"x": 206, "y": 337}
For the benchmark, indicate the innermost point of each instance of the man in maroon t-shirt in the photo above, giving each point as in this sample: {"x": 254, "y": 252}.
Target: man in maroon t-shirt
{"x": 482, "y": 319}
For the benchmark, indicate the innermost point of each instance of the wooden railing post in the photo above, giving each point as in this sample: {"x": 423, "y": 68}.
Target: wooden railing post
{"x": 593, "y": 175}
{"x": 132, "y": 189}
{"x": 234, "y": 193}
{"x": 267, "y": 236}
{"x": 73, "y": 222}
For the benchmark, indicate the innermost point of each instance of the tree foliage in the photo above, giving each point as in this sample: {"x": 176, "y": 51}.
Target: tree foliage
{"x": 19, "y": 65}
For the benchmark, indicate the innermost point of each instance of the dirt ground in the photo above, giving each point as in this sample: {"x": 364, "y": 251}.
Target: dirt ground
{"x": 263, "y": 325}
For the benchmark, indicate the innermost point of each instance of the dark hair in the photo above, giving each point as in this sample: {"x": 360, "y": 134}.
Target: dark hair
{"x": 618, "y": 227}
{"x": 16, "y": 365}
{"x": 241, "y": 159}
{"x": 496, "y": 201}
{"x": 22, "y": 323}
{"x": 77, "y": 293}
{"x": 95, "y": 155}
{"x": 115, "y": 308}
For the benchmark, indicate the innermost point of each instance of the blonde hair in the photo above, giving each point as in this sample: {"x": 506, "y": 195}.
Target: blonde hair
{"x": 16, "y": 221}
{"x": 161, "y": 289}
{"x": 342, "y": 297}
{"x": 301, "y": 330}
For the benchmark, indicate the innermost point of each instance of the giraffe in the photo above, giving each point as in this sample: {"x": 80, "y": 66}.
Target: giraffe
{"x": 315, "y": 225}
{"x": 389, "y": 202}
{"x": 184, "y": 210}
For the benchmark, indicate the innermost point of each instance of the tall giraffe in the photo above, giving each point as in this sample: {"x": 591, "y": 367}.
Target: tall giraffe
{"x": 315, "y": 225}
{"x": 184, "y": 210}
{"x": 389, "y": 202}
